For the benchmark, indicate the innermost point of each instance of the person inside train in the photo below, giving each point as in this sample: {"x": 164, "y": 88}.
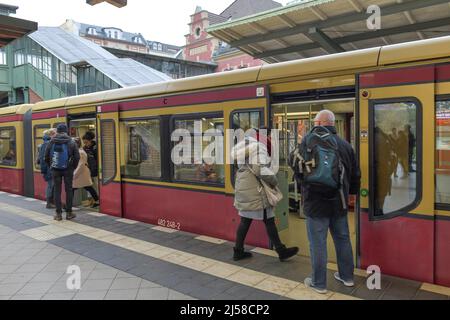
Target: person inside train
{"x": 411, "y": 146}
{"x": 45, "y": 170}
{"x": 394, "y": 138}
{"x": 82, "y": 177}
{"x": 90, "y": 147}
{"x": 10, "y": 157}
{"x": 250, "y": 197}
{"x": 403, "y": 152}
{"x": 62, "y": 156}
{"x": 384, "y": 162}
{"x": 328, "y": 210}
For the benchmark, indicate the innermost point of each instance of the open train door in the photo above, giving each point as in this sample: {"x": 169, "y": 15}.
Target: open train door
{"x": 109, "y": 159}
{"x": 397, "y": 151}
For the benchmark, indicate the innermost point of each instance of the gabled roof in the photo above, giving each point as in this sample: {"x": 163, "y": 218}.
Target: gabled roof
{"x": 74, "y": 50}
{"x": 243, "y": 8}
{"x": 100, "y": 31}
{"x": 215, "y": 18}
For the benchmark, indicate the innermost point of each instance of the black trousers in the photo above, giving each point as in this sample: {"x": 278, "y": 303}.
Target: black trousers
{"x": 91, "y": 190}
{"x": 271, "y": 229}
{"x": 58, "y": 176}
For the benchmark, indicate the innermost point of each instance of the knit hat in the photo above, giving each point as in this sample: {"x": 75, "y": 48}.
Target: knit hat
{"x": 61, "y": 128}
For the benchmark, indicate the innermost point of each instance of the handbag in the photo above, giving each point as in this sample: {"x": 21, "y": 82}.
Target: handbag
{"x": 274, "y": 194}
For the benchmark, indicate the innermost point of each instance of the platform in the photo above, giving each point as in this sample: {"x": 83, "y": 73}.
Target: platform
{"x": 124, "y": 259}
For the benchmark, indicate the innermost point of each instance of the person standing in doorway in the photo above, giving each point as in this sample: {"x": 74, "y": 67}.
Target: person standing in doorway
{"x": 62, "y": 157}
{"x": 45, "y": 170}
{"x": 326, "y": 208}
{"x": 82, "y": 175}
{"x": 250, "y": 199}
{"x": 90, "y": 147}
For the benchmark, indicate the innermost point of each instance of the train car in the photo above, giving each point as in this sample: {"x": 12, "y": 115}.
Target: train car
{"x": 392, "y": 103}
{"x": 14, "y": 139}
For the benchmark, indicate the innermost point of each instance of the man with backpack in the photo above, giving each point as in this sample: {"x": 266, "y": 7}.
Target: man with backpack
{"x": 62, "y": 157}
{"x": 325, "y": 167}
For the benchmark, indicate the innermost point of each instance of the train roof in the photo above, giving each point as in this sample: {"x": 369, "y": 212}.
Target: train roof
{"x": 422, "y": 50}
{"x": 19, "y": 109}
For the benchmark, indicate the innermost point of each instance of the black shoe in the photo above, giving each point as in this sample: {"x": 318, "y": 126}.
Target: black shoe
{"x": 240, "y": 254}
{"x": 58, "y": 216}
{"x": 286, "y": 253}
{"x": 70, "y": 215}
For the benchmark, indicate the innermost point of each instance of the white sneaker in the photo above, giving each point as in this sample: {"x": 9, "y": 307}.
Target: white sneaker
{"x": 346, "y": 283}
{"x": 308, "y": 284}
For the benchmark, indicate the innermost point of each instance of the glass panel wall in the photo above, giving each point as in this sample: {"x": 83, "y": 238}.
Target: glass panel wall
{"x": 72, "y": 81}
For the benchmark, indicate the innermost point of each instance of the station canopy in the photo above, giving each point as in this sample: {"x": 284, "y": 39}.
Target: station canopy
{"x": 14, "y": 28}
{"x": 315, "y": 27}
{"x": 76, "y": 51}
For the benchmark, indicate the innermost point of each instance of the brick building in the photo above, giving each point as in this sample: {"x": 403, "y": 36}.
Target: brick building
{"x": 202, "y": 47}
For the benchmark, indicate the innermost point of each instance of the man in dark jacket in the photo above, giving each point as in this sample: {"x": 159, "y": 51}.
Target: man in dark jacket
{"x": 62, "y": 170}
{"x": 323, "y": 213}
{"x": 45, "y": 169}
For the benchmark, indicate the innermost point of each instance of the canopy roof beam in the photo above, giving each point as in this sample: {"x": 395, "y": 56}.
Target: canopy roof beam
{"x": 336, "y": 21}
{"x": 361, "y": 36}
{"x": 319, "y": 37}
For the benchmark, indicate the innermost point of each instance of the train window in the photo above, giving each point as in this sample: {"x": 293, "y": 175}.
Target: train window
{"x": 395, "y": 157}
{"x": 8, "y": 155}
{"x": 38, "y": 141}
{"x": 142, "y": 141}
{"x": 201, "y": 166}
{"x": 108, "y": 147}
{"x": 443, "y": 152}
{"x": 246, "y": 120}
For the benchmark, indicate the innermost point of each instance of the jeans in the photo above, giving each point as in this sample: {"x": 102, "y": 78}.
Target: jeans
{"x": 49, "y": 192}
{"x": 271, "y": 229}
{"x": 317, "y": 234}
{"x": 57, "y": 180}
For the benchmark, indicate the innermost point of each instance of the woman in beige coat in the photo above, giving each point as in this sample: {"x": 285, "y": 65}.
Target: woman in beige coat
{"x": 250, "y": 198}
{"x": 82, "y": 175}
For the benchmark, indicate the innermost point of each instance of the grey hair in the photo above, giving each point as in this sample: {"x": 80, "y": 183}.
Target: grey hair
{"x": 326, "y": 116}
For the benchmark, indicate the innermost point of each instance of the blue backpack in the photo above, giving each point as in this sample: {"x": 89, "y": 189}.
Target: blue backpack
{"x": 60, "y": 156}
{"x": 317, "y": 163}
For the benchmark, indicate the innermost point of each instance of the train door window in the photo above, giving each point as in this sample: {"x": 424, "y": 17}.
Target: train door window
{"x": 205, "y": 163}
{"x": 108, "y": 147}
{"x": 395, "y": 156}
{"x": 8, "y": 146}
{"x": 245, "y": 120}
{"x": 38, "y": 141}
{"x": 443, "y": 152}
{"x": 142, "y": 141}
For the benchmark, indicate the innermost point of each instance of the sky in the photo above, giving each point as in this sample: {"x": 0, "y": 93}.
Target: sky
{"x": 158, "y": 20}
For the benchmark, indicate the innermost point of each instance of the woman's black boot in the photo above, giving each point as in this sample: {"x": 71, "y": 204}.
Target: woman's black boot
{"x": 240, "y": 254}
{"x": 286, "y": 253}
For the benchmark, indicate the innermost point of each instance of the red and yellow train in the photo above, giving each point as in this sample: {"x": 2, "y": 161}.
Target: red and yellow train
{"x": 392, "y": 103}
